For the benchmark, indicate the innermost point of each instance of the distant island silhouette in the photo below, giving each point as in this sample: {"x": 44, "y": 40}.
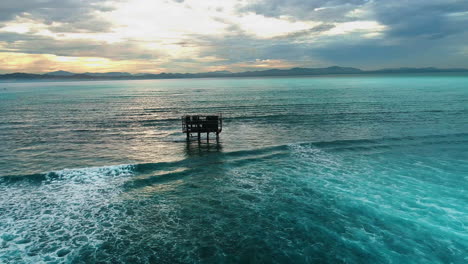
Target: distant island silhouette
{"x": 334, "y": 70}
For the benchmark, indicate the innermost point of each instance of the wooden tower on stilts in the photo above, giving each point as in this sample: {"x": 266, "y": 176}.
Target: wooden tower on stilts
{"x": 198, "y": 124}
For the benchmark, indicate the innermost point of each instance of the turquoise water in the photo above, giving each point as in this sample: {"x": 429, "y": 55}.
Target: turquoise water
{"x": 359, "y": 169}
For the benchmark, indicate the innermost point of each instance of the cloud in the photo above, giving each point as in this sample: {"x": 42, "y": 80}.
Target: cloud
{"x": 308, "y": 32}
{"x": 72, "y": 15}
{"x": 243, "y": 51}
{"x": 403, "y": 18}
{"x": 253, "y": 65}
{"x": 192, "y": 35}
{"x": 421, "y": 18}
{"x": 33, "y": 44}
{"x": 316, "y": 10}
{"x": 41, "y": 63}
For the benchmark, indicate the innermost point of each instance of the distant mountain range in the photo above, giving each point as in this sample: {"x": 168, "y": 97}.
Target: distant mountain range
{"x": 64, "y": 75}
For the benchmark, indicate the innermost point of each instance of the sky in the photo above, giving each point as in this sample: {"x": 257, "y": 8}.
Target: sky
{"x": 154, "y": 36}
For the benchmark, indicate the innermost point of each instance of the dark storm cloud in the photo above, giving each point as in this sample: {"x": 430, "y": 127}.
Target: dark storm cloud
{"x": 76, "y": 15}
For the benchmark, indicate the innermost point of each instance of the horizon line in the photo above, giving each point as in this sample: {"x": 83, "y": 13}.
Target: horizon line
{"x": 232, "y": 72}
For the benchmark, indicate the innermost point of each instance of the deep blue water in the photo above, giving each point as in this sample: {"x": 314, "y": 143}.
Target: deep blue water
{"x": 350, "y": 169}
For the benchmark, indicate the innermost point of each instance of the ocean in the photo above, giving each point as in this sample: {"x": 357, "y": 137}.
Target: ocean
{"x": 333, "y": 169}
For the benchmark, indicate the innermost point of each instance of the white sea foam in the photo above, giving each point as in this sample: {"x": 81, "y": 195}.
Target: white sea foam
{"x": 91, "y": 174}
{"x": 55, "y": 220}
